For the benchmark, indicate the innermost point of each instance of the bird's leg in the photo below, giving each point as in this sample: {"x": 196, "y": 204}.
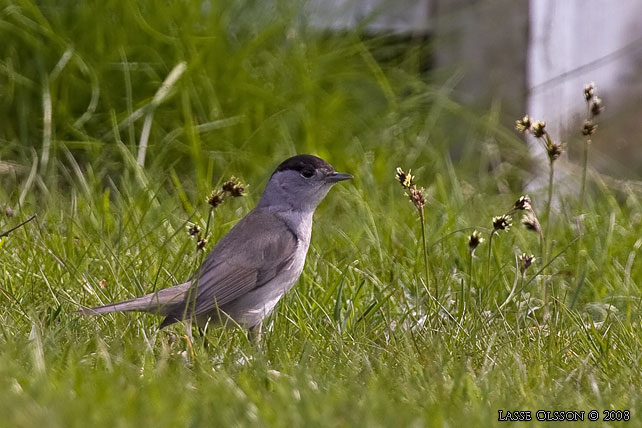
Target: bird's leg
{"x": 188, "y": 329}
{"x": 254, "y": 333}
{"x": 190, "y": 338}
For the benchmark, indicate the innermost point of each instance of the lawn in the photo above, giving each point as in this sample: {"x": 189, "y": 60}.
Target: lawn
{"x": 370, "y": 335}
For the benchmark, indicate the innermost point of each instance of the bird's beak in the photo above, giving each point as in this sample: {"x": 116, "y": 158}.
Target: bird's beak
{"x": 337, "y": 176}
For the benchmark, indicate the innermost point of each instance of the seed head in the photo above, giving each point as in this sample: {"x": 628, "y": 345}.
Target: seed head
{"x": 523, "y": 124}
{"x": 523, "y": 203}
{"x": 228, "y": 186}
{"x": 234, "y": 187}
{"x": 554, "y": 150}
{"x": 200, "y": 244}
{"x": 216, "y": 198}
{"x": 538, "y": 129}
{"x": 474, "y": 240}
{"x": 8, "y": 212}
{"x": 193, "y": 229}
{"x": 589, "y": 91}
{"x": 525, "y": 262}
{"x": 589, "y": 128}
{"x": 502, "y": 222}
{"x": 406, "y": 180}
{"x": 596, "y": 106}
{"x": 530, "y": 222}
{"x": 416, "y": 196}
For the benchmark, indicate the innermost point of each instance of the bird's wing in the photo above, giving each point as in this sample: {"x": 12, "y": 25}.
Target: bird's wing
{"x": 241, "y": 262}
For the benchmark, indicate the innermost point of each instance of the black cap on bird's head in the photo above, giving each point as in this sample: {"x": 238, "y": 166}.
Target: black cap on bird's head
{"x": 300, "y": 183}
{"x": 299, "y": 162}
{"x": 308, "y": 166}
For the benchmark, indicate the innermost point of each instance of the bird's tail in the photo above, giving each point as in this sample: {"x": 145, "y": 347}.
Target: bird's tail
{"x": 161, "y": 302}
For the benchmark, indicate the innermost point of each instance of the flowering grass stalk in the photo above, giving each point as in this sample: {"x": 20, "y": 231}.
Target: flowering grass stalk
{"x": 502, "y": 222}
{"x": 230, "y": 188}
{"x": 474, "y": 240}
{"x": 594, "y": 107}
{"x": 416, "y": 196}
{"x": 553, "y": 150}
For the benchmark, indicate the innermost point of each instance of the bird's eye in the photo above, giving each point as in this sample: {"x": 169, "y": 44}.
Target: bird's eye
{"x": 307, "y": 173}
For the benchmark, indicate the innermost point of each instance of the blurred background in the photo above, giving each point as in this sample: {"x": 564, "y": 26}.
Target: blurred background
{"x": 202, "y": 87}
{"x": 526, "y": 56}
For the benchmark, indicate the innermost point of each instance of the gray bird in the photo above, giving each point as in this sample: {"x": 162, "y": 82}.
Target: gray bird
{"x": 256, "y": 262}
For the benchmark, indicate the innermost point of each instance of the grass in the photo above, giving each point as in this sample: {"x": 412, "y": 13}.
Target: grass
{"x": 359, "y": 341}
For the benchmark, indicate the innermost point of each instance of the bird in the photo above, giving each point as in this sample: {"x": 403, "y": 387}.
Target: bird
{"x": 259, "y": 260}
